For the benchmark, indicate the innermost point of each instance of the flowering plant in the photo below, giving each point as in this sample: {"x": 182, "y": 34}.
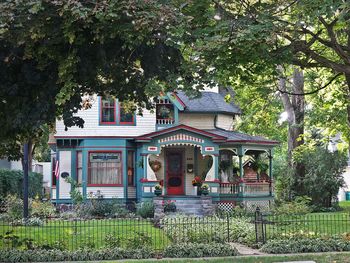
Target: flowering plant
{"x": 205, "y": 187}
{"x": 158, "y": 187}
{"x": 197, "y": 181}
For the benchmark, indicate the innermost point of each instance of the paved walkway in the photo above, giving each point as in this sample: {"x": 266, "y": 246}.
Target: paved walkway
{"x": 247, "y": 251}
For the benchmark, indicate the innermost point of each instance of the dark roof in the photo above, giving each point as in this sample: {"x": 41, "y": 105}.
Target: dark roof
{"x": 210, "y": 102}
{"x": 233, "y": 136}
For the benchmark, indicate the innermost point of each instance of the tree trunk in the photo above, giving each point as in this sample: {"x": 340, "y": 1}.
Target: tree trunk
{"x": 31, "y": 147}
{"x": 347, "y": 98}
{"x": 294, "y": 105}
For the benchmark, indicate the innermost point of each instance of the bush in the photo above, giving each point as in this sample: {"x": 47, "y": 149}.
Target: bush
{"x": 300, "y": 206}
{"x": 145, "y": 209}
{"x": 184, "y": 229}
{"x": 11, "y": 183}
{"x": 195, "y": 250}
{"x": 304, "y": 245}
{"x": 43, "y": 209}
{"x": 139, "y": 241}
{"x": 101, "y": 208}
{"x": 112, "y": 240}
{"x": 14, "y": 207}
{"x": 33, "y": 221}
{"x": 79, "y": 255}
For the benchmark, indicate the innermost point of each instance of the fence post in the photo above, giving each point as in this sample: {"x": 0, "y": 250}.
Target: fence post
{"x": 259, "y": 227}
{"x": 228, "y": 227}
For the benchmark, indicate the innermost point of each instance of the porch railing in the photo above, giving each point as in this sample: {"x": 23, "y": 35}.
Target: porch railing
{"x": 249, "y": 189}
{"x": 165, "y": 121}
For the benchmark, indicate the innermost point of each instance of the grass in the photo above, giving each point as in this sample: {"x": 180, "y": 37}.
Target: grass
{"x": 89, "y": 233}
{"x": 320, "y": 258}
{"x": 324, "y": 224}
{"x": 345, "y": 205}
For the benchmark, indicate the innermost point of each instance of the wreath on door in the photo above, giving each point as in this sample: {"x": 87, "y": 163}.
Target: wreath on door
{"x": 155, "y": 165}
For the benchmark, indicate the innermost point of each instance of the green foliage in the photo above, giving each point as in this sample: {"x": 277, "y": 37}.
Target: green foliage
{"x": 323, "y": 172}
{"x": 195, "y": 250}
{"x": 140, "y": 240}
{"x": 145, "y": 209}
{"x": 42, "y": 209}
{"x": 32, "y": 221}
{"x": 305, "y": 245}
{"x": 11, "y": 240}
{"x": 183, "y": 229}
{"x": 112, "y": 240}
{"x": 100, "y": 207}
{"x": 75, "y": 195}
{"x": 299, "y": 206}
{"x": 11, "y": 182}
{"x": 14, "y": 207}
{"x": 41, "y": 255}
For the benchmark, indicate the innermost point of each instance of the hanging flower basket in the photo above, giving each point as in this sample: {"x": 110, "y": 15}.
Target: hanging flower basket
{"x": 155, "y": 165}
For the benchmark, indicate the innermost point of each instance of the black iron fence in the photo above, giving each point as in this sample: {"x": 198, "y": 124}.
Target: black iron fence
{"x": 136, "y": 233}
{"x": 269, "y": 226}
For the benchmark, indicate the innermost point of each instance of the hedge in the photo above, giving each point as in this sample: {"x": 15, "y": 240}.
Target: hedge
{"x": 11, "y": 182}
{"x": 78, "y": 255}
{"x": 197, "y": 250}
{"x": 305, "y": 245}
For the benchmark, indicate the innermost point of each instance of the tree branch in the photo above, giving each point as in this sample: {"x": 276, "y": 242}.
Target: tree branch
{"x": 283, "y": 91}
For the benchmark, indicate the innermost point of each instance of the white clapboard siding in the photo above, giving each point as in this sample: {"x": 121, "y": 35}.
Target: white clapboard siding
{"x": 224, "y": 121}
{"x": 189, "y": 159}
{"x": 107, "y": 192}
{"x": 131, "y": 192}
{"x": 199, "y": 121}
{"x": 144, "y": 124}
{"x": 53, "y": 193}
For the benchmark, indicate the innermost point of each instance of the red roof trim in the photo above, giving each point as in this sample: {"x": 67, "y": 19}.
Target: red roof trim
{"x": 149, "y": 136}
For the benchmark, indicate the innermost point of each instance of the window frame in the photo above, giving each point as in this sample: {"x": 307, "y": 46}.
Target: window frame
{"x": 132, "y": 152}
{"x": 105, "y": 185}
{"x": 114, "y": 113}
{"x": 119, "y": 116}
{"x": 77, "y": 168}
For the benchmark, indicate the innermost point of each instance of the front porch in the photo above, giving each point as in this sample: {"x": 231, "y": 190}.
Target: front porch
{"x": 235, "y": 172}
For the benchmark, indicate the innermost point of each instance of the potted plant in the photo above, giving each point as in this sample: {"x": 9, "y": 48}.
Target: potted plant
{"x": 205, "y": 189}
{"x": 197, "y": 181}
{"x": 158, "y": 190}
{"x": 170, "y": 206}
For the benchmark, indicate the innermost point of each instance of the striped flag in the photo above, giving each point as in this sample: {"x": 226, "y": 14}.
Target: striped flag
{"x": 57, "y": 169}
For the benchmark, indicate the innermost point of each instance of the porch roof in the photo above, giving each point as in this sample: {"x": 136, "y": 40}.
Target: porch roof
{"x": 148, "y": 137}
{"x": 238, "y": 137}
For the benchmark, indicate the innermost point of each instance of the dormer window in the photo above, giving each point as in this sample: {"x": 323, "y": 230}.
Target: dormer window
{"x": 108, "y": 111}
{"x": 164, "y": 112}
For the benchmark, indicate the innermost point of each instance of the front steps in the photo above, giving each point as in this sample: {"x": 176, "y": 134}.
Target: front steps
{"x": 188, "y": 205}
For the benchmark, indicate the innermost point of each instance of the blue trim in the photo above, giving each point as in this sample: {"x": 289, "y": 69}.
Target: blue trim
{"x": 58, "y": 179}
{"x": 85, "y": 171}
{"x": 125, "y": 173}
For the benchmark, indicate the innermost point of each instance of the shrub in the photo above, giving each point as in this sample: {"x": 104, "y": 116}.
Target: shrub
{"x": 43, "y": 209}
{"x": 183, "y": 229}
{"x": 41, "y": 255}
{"x": 304, "y": 245}
{"x": 14, "y": 207}
{"x": 140, "y": 240}
{"x": 195, "y": 250}
{"x": 33, "y": 221}
{"x": 300, "y": 206}
{"x": 145, "y": 209}
{"x": 112, "y": 240}
{"x": 11, "y": 183}
{"x": 101, "y": 208}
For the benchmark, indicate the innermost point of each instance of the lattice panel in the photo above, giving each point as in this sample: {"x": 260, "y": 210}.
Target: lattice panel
{"x": 251, "y": 205}
{"x": 226, "y": 206}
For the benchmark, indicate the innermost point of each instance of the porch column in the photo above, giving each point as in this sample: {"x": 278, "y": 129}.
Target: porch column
{"x": 270, "y": 172}
{"x": 216, "y": 166}
{"x": 240, "y": 157}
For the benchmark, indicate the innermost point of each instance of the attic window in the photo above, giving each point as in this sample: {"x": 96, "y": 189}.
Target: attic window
{"x": 164, "y": 112}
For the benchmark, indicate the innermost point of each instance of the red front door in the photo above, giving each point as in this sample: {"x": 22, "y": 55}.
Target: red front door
{"x": 175, "y": 175}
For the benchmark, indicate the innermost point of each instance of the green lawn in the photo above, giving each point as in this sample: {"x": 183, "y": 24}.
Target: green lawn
{"x": 310, "y": 224}
{"x": 89, "y": 233}
{"x": 320, "y": 258}
{"x": 345, "y": 205}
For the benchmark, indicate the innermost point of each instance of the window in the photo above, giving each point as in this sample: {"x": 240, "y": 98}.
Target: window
{"x": 105, "y": 168}
{"x": 131, "y": 169}
{"x": 108, "y": 111}
{"x": 53, "y": 172}
{"x": 164, "y": 112}
{"x": 125, "y": 117}
{"x": 79, "y": 178}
